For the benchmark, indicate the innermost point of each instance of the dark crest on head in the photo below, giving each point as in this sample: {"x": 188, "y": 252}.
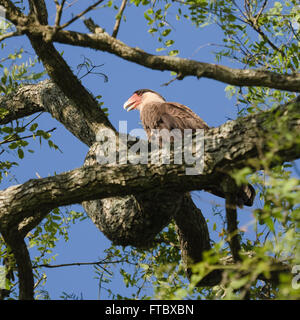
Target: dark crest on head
{"x": 140, "y": 92}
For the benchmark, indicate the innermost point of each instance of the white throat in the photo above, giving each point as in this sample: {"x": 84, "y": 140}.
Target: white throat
{"x": 149, "y": 97}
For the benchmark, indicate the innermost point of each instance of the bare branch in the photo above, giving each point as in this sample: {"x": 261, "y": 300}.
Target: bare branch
{"x": 46, "y": 96}
{"x": 186, "y": 67}
{"x": 59, "y": 11}
{"x": 91, "y": 7}
{"x": 98, "y": 263}
{"x": 240, "y": 77}
{"x": 192, "y": 233}
{"x": 10, "y": 35}
{"x": 20, "y": 104}
{"x": 263, "y": 7}
{"x": 118, "y": 19}
{"x": 15, "y": 137}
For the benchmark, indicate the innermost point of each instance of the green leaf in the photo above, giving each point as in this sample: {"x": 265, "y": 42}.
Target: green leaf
{"x": 231, "y": 17}
{"x": 13, "y": 145}
{"x": 168, "y": 43}
{"x": 20, "y": 153}
{"x": 152, "y": 30}
{"x": 173, "y": 53}
{"x": 166, "y": 32}
{"x": 33, "y": 127}
{"x": 7, "y": 129}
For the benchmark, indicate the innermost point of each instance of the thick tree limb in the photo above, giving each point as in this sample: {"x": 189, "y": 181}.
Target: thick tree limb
{"x": 96, "y": 182}
{"x": 39, "y": 10}
{"x": 17, "y": 244}
{"x": 46, "y": 96}
{"x": 132, "y": 219}
{"x": 92, "y": 182}
{"x": 192, "y": 233}
{"x": 58, "y": 70}
{"x": 12, "y": 13}
{"x": 21, "y": 104}
{"x": 185, "y": 67}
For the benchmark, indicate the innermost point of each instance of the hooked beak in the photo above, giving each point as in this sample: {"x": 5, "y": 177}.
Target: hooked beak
{"x": 132, "y": 102}
{"x": 129, "y": 104}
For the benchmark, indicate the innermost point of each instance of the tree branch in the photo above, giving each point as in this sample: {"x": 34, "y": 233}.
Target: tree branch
{"x": 59, "y": 11}
{"x": 96, "y": 182}
{"x": 10, "y": 35}
{"x": 46, "y": 96}
{"x": 39, "y": 10}
{"x": 12, "y": 13}
{"x": 91, "y": 7}
{"x": 192, "y": 233}
{"x": 186, "y": 67}
{"x": 15, "y": 137}
{"x": 98, "y": 263}
{"x": 233, "y": 237}
{"x": 19, "y": 249}
{"x": 118, "y": 19}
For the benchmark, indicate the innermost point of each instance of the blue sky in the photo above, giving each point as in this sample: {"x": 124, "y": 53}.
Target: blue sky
{"x": 206, "y": 97}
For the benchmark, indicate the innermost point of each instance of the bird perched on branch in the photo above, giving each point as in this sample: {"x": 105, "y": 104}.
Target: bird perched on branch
{"x": 157, "y": 113}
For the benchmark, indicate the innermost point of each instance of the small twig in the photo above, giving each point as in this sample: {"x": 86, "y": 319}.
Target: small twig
{"x": 240, "y": 10}
{"x": 91, "y": 7}
{"x": 88, "y": 63}
{"x": 261, "y": 11}
{"x": 293, "y": 31}
{"x": 11, "y": 138}
{"x": 27, "y": 124}
{"x": 10, "y": 35}
{"x": 253, "y": 22}
{"x": 92, "y": 26}
{"x": 39, "y": 281}
{"x": 180, "y": 76}
{"x": 98, "y": 263}
{"x": 71, "y": 4}
{"x": 118, "y": 19}
{"x": 59, "y": 10}
{"x": 14, "y": 137}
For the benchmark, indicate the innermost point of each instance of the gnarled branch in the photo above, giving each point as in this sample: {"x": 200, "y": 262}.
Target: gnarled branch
{"x": 96, "y": 182}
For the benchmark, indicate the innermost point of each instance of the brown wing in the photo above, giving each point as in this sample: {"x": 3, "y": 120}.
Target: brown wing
{"x": 170, "y": 115}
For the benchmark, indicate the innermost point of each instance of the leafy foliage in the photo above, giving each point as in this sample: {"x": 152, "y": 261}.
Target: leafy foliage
{"x": 262, "y": 35}
{"x": 256, "y": 34}
{"x": 14, "y": 72}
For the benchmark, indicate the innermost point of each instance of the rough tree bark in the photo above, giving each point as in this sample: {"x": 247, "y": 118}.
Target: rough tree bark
{"x": 117, "y": 197}
{"x": 227, "y": 147}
